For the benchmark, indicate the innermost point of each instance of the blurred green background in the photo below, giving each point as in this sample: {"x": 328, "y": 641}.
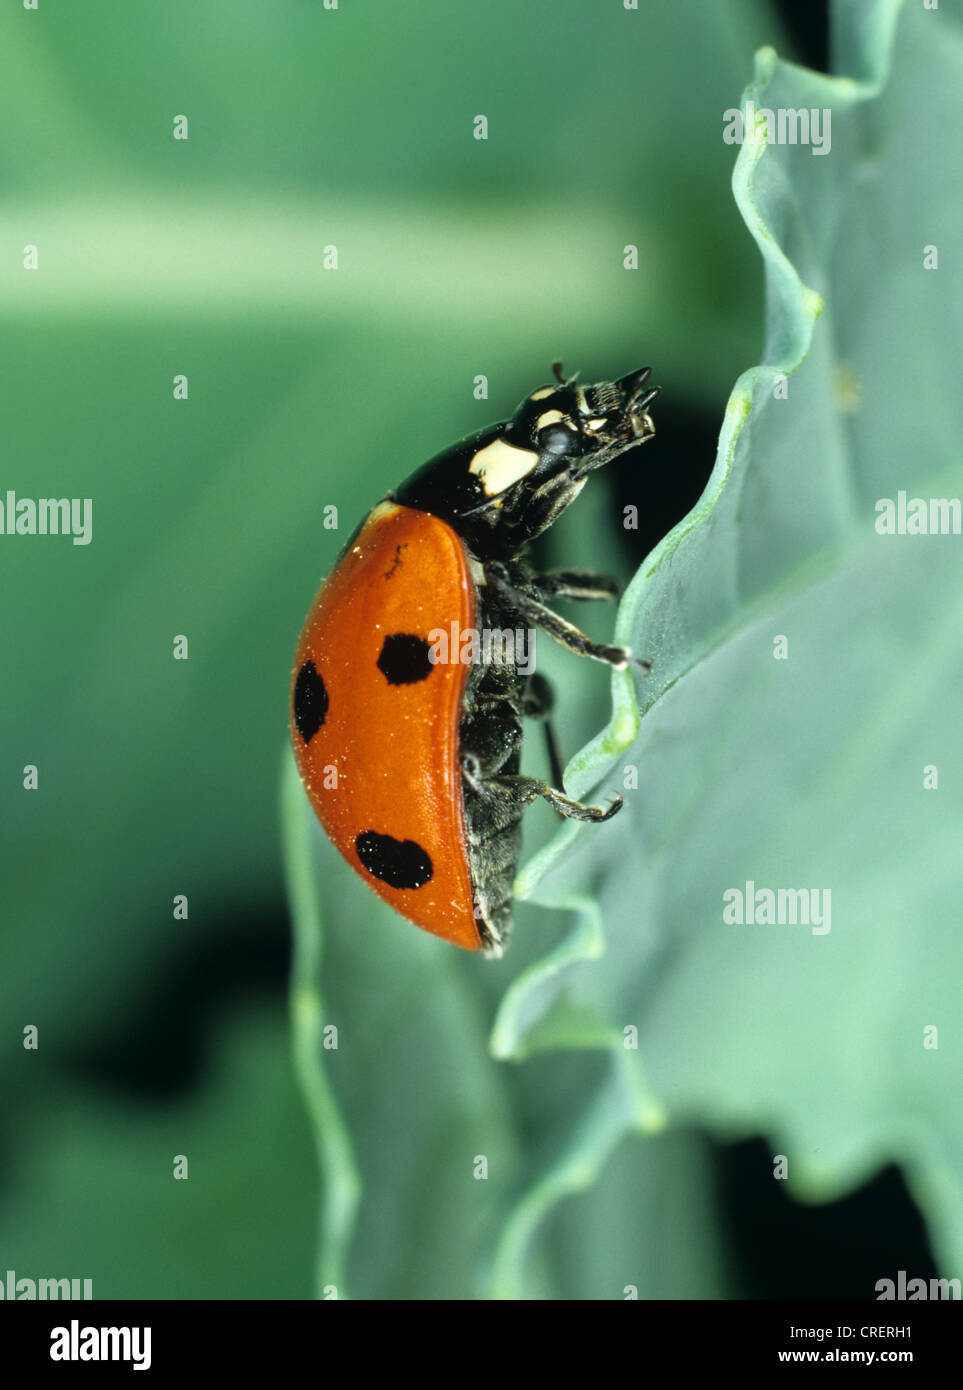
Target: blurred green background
{"x": 310, "y": 128}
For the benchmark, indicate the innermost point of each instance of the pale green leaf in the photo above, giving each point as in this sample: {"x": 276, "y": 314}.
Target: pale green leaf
{"x": 805, "y": 772}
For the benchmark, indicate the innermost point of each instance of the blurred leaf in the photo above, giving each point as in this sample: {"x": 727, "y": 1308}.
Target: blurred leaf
{"x": 96, "y": 1195}
{"x": 806, "y": 772}
{"x": 339, "y": 1176}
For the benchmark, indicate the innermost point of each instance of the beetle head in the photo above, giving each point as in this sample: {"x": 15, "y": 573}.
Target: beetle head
{"x": 503, "y": 486}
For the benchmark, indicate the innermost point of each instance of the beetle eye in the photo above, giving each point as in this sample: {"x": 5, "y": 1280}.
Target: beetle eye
{"x": 557, "y": 439}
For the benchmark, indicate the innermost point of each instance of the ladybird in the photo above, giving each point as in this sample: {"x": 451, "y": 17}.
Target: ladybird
{"x": 408, "y": 748}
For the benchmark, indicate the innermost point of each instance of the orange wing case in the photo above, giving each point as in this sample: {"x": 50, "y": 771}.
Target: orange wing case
{"x": 393, "y": 748}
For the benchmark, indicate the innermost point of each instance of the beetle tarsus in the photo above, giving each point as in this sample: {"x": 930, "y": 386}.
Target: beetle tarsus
{"x": 528, "y": 789}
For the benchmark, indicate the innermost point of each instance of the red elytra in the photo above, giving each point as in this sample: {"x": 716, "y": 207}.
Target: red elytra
{"x": 383, "y": 759}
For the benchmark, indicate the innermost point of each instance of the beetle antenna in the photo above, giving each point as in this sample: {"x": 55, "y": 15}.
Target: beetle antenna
{"x": 560, "y": 376}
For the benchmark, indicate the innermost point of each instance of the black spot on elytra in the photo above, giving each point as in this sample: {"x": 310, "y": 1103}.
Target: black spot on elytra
{"x": 310, "y": 701}
{"x": 399, "y": 863}
{"x": 404, "y": 659}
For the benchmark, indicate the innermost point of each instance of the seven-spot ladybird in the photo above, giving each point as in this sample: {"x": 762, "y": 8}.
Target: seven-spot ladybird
{"x": 409, "y": 751}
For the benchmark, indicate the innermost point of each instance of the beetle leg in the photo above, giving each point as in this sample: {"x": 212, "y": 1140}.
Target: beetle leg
{"x": 521, "y": 791}
{"x": 581, "y": 585}
{"x": 534, "y": 611}
{"x": 538, "y": 700}
{"x": 524, "y": 790}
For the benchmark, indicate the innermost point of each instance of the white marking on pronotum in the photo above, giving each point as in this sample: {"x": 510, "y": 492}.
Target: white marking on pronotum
{"x": 541, "y": 393}
{"x": 383, "y": 511}
{"x": 499, "y": 465}
{"x": 550, "y": 417}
